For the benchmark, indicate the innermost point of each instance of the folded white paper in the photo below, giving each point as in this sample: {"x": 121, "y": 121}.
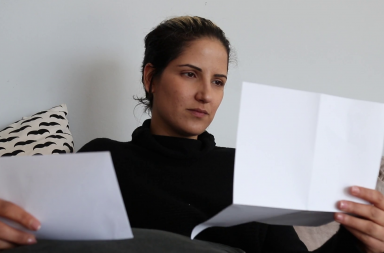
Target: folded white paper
{"x": 75, "y": 196}
{"x": 297, "y": 153}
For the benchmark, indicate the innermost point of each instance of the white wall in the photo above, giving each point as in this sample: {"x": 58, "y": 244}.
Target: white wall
{"x": 87, "y": 54}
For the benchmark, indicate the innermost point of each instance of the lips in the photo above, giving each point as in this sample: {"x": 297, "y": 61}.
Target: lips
{"x": 198, "y": 112}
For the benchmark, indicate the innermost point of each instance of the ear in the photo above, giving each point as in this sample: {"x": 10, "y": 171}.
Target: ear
{"x": 148, "y": 74}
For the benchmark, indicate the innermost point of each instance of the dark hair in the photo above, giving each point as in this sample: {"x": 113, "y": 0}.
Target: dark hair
{"x": 168, "y": 40}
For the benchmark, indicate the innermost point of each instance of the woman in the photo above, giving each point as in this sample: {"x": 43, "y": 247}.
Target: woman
{"x": 173, "y": 177}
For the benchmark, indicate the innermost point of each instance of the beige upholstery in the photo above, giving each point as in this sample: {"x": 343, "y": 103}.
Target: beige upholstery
{"x": 314, "y": 237}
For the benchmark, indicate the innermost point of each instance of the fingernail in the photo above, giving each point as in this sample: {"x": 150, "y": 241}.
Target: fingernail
{"x": 35, "y": 225}
{"x": 343, "y": 205}
{"x": 31, "y": 240}
{"x": 355, "y": 190}
{"x": 339, "y": 217}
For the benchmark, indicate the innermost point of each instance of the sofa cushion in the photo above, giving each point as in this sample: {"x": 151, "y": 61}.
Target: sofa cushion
{"x": 43, "y": 133}
{"x": 144, "y": 241}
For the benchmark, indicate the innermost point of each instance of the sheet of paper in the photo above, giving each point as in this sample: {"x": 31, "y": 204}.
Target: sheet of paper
{"x": 298, "y": 152}
{"x": 239, "y": 214}
{"x": 75, "y": 196}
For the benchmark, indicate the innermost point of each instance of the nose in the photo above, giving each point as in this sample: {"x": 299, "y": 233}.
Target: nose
{"x": 204, "y": 93}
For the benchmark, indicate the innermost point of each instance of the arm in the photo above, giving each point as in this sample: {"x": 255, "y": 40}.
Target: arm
{"x": 100, "y": 144}
{"x": 281, "y": 239}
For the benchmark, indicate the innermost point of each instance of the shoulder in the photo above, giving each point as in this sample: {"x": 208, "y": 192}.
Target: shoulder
{"x": 222, "y": 156}
{"x": 102, "y": 144}
{"x": 225, "y": 151}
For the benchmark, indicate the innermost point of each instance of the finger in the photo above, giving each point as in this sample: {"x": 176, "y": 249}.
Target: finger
{"x": 6, "y": 245}
{"x": 370, "y": 243}
{"x": 366, "y": 211}
{"x": 364, "y": 226}
{"x": 373, "y": 196}
{"x": 13, "y": 212}
{"x": 13, "y": 235}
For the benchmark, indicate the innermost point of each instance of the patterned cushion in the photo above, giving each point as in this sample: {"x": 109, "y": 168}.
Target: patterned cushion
{"x": 43, "y": 133}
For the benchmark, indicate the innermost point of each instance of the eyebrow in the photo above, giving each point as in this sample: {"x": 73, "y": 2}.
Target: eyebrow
{"x": 200, "y": 70}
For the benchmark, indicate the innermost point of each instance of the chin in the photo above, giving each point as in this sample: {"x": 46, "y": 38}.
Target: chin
{"x": 194, "y": 129}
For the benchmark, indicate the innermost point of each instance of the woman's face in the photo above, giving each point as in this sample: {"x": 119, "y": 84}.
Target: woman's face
{"x": 189, "y": 91}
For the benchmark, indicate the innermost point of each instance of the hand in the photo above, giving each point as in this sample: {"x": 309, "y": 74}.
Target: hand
{"x": 11, "y": 237}
{"x": 368, "y": 227}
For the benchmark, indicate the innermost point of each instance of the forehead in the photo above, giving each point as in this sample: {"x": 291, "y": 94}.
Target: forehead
{"x": 205, "y": 53}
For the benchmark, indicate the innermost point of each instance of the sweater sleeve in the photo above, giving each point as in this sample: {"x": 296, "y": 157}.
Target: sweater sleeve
{"x": 284, "y": 239}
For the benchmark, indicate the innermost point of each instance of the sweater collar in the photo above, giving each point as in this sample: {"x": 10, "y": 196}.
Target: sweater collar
{"x": 173, "y": 146}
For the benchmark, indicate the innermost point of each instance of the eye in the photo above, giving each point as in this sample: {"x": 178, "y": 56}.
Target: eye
{"x": 218, "y": 82}
{"x": 189, "y": 74}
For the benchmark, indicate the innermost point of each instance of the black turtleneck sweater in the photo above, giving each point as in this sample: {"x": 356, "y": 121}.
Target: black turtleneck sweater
{"x": 174, "y": 184}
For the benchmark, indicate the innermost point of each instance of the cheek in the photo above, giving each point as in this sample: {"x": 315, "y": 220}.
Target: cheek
{"x": 180, "y": 97}
{"x": 179, "y": 101}
{"x": 177, "y": 98}
{"x": 173, "y": 100}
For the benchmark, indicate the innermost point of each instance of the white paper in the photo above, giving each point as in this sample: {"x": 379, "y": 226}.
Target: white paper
{"x": 74, "y": 196}
{"x": 297, "y": 153}
{"x": 239, "y": 214}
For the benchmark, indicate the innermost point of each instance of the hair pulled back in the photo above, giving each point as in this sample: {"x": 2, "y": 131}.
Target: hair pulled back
{"x": 168, "y": 40}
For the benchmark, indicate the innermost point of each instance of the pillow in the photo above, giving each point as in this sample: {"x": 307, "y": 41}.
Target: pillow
{"x": 43, "y": 133}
